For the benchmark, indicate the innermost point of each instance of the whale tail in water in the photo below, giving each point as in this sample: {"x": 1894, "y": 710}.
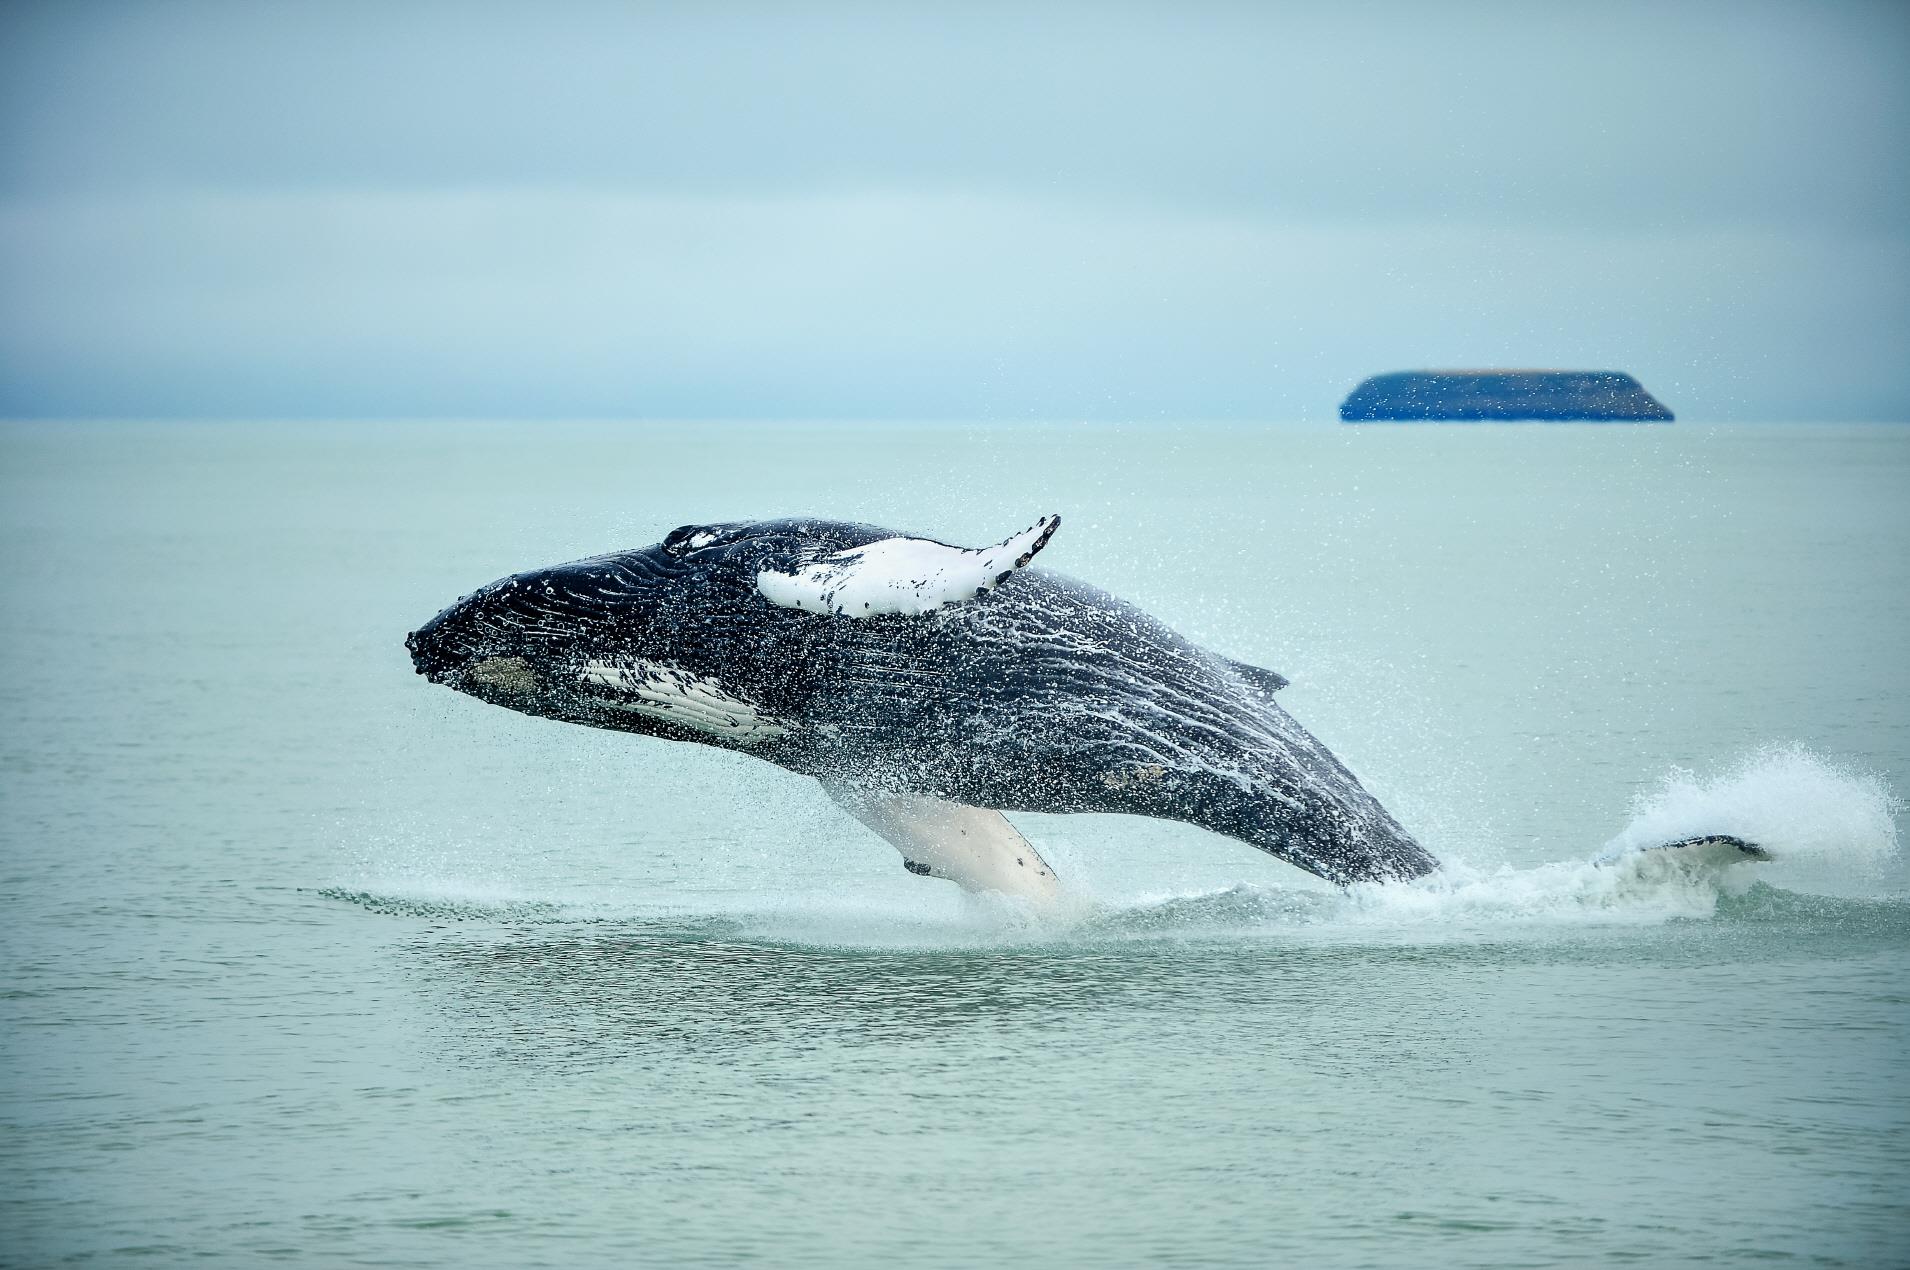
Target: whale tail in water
{"x": 1714, "y": 848}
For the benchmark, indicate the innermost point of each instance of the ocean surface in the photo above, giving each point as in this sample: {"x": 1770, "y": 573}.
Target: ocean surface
{"x": 307, "y": 960}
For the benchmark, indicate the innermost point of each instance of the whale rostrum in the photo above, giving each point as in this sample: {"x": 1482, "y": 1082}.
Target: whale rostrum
{"x": 928, "y": 687}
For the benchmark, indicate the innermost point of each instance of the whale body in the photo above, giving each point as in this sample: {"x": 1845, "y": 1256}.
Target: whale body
{"x": 928, "y": 687}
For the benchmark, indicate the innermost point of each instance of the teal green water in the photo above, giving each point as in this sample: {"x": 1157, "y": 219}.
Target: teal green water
{"x": 307, "y": 960}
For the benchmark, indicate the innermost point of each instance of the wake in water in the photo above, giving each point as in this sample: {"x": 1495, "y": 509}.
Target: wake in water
{"x": 1828, "y": 832}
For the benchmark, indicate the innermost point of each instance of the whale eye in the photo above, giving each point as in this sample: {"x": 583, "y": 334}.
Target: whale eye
{"x": 688, "y": 538}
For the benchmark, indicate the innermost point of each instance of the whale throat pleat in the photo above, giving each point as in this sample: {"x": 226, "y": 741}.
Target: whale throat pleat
{"x": 663, "y": 691}
{"x": 908, "y": 576}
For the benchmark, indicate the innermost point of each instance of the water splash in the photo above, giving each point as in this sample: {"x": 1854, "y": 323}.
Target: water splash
{"x": 1831, "y": 829}
{"x": 1832, "y": 832}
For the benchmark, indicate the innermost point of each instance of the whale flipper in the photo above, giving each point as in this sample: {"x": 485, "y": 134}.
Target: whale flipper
{"x": 910, "y": 576}
{"x": 972, "y": 846}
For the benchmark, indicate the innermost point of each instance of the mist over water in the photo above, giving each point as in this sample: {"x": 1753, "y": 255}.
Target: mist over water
{"x": 307, "y": 954}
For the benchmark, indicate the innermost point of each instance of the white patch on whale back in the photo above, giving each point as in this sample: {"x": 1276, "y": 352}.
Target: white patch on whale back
{"x": 659, "y": 690}
{"x": 903, "y": 575}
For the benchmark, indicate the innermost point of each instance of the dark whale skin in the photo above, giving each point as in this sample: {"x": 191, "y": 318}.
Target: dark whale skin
{"x": 1044, "y": 694}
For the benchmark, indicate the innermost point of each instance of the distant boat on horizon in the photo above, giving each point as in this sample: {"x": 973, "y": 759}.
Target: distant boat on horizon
{"x": 1602, "y": 396}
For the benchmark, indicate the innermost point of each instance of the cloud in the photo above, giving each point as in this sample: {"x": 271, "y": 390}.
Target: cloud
{"x": 896, "y": 303}
{"x": 1058, "y": 210}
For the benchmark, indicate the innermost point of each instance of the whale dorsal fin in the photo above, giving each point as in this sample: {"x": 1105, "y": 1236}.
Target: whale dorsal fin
{"x": 1258, "y": 677}
{"x": 903, "y": 575}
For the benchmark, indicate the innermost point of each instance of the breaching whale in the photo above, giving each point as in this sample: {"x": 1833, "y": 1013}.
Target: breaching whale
{"x": 928, "y": 687}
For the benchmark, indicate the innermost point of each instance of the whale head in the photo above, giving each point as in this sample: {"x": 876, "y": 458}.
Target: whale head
{"x": 657, "y": 601}
{"x": 530, "y": 640}
{"x": 703, "y": 636}
{"x": 705, "y": 602}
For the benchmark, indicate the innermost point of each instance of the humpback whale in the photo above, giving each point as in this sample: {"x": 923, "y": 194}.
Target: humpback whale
{"x": 928, "y": 687}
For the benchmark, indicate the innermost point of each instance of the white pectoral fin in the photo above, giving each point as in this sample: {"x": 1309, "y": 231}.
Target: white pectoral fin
{"x": 972, "y": 846}
{"x": 903, "y": 575}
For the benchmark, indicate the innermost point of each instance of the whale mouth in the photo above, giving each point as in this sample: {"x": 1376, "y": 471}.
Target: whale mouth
{"x": 450, "y": 663}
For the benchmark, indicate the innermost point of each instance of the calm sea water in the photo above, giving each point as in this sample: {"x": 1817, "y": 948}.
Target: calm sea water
{"x": 308, "y": 960}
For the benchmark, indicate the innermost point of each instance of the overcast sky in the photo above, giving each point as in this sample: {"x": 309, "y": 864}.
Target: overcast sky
{"x": 947, "y": 211}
